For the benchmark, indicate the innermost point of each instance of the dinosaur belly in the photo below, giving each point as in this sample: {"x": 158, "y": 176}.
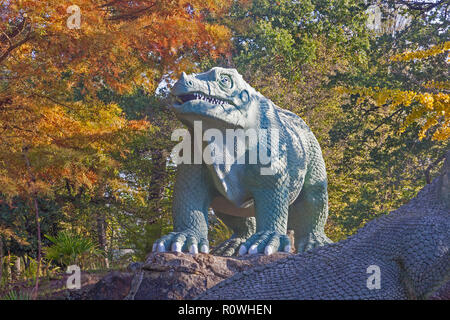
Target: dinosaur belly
{"x": 234, "y": 199}
{"x": 223, "y": 205}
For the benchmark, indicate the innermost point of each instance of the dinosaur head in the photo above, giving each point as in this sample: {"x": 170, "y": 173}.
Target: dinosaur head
{"x": 219, "y": 96}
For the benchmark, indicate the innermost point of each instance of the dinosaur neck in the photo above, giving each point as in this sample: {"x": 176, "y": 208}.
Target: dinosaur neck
{"x": 268, "y": 117}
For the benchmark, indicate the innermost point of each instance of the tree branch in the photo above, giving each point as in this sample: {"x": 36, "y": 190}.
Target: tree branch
{"x": 420, "y": 6}
{"x": 431, "y": 166}
{"x": 14, "y": 46}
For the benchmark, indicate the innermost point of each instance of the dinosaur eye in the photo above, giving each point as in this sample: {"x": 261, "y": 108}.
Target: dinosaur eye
{"x": 225, "y": 80}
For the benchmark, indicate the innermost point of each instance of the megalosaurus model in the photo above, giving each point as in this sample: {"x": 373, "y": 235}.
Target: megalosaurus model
{"x": 258, "y": 201}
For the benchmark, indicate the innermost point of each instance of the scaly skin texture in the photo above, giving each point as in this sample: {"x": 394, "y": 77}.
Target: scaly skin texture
{"x": 410, "y": 246}
{"x": 258, "y": 201}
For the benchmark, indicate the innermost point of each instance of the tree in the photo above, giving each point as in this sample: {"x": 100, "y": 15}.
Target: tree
{"x": 56, "y": 132}
{"x": 430, "y": 107}
{"x": 384, "y": 149}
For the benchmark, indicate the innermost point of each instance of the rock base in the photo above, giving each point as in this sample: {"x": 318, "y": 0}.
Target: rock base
{"x": 170, "y": 276}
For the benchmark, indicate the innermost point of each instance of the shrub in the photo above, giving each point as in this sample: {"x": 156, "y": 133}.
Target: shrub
{"x": 69, "y": 248}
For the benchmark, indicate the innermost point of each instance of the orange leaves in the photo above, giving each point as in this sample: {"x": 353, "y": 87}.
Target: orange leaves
{"x": 45, "y": 66}
{"x": 71, "y": 141}
{"x": 117, "y": 42}
{"x": 219, "y": 32}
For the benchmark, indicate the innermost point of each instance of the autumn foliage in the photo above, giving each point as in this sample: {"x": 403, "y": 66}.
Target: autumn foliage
{"x": 55, "y": 131}
{"x": 50, "y": 74}
{"x": 85, "y": 132}
{"x": 429, "y": 107}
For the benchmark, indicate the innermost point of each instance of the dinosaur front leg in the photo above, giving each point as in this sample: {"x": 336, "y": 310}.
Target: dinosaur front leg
{"x": 192, "y": 197}
{"x": 271, "y": 212}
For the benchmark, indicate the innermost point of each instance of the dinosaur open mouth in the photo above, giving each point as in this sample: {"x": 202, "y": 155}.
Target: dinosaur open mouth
{"x": 198, "y": 96}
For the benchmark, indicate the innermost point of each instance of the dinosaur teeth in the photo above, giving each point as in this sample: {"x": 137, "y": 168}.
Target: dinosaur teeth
{"x": 199, "y": 96}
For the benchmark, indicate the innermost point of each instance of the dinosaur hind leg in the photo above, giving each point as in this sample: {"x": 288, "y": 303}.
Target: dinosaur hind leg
{"x": 307, "y": 217}
{"x": 242, "y": 227}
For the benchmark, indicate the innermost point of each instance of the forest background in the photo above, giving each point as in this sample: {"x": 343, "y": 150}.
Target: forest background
{"x": 85, "y": 174}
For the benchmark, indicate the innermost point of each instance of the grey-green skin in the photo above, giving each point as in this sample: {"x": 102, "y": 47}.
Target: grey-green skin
{"x": 258, "y": 208}
{"x": 410, "y": 246}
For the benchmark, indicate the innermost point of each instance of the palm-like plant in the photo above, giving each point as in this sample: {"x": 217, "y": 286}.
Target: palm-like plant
{"x": 14, "y": 295}
{"x": 69, "y": 248}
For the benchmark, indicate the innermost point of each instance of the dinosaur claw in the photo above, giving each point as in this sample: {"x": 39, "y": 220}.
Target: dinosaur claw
{"x": 268, "y": 250}
{"x": 161, "y": 247}
{"x": 193, "y": 249}
{"x": 253, "y": 249}
{"x": 176, "y": 247}
{"x": 242, "y": 250}
{"x": 204, "y": 249}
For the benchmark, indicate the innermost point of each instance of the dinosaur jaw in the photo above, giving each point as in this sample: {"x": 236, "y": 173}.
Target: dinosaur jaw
{"x": 183, "y": 98}
{"x": 201, "y": 107}
{"x": 209, "y": 102}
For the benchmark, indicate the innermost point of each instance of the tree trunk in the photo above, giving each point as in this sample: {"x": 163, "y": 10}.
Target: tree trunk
{"x": 17, "y": 269}
{"x": 18, "y": 266}
{"x": 1, "y": 260}
{"x": 33, "y": 196}
{"x": 38, "y": 230}
{"x": 157, "y": 184}
{"x": 101, "y": 232}
{"x": 431, "y": 166}
{"x": 8, "y": 267}
{"x": 26, "y": 262}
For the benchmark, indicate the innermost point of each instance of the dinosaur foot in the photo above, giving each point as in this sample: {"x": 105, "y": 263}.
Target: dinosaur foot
{"x": 181, "y": 242}
{"x": 229, "y": 247}
{"x": 311, "y": 241}
{"x": 267, "y": 242}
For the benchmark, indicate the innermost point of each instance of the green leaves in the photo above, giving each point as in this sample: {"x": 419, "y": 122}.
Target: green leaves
{"x": 285, "y": 36}
{"x": 69, "y": 248}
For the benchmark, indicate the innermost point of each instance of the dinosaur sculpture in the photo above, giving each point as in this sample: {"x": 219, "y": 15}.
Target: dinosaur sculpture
{"x": 409, "y": 248}
{"x": 259, "y": 206}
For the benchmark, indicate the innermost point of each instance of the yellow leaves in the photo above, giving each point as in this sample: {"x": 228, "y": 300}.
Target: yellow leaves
{"x": 8, "y": 185}
{"x": 434, "y": 108}
{"x": 380, "y": 97}
{"x": 139, "y": 125}
{"x": 7, "y": 233}
{"x": 422, "y": 54}
{"x": 443, "y": 133}
{"x": 439, "y": 85}
{"x": 427, "y": 100}
{"x": 429, "y": 109}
